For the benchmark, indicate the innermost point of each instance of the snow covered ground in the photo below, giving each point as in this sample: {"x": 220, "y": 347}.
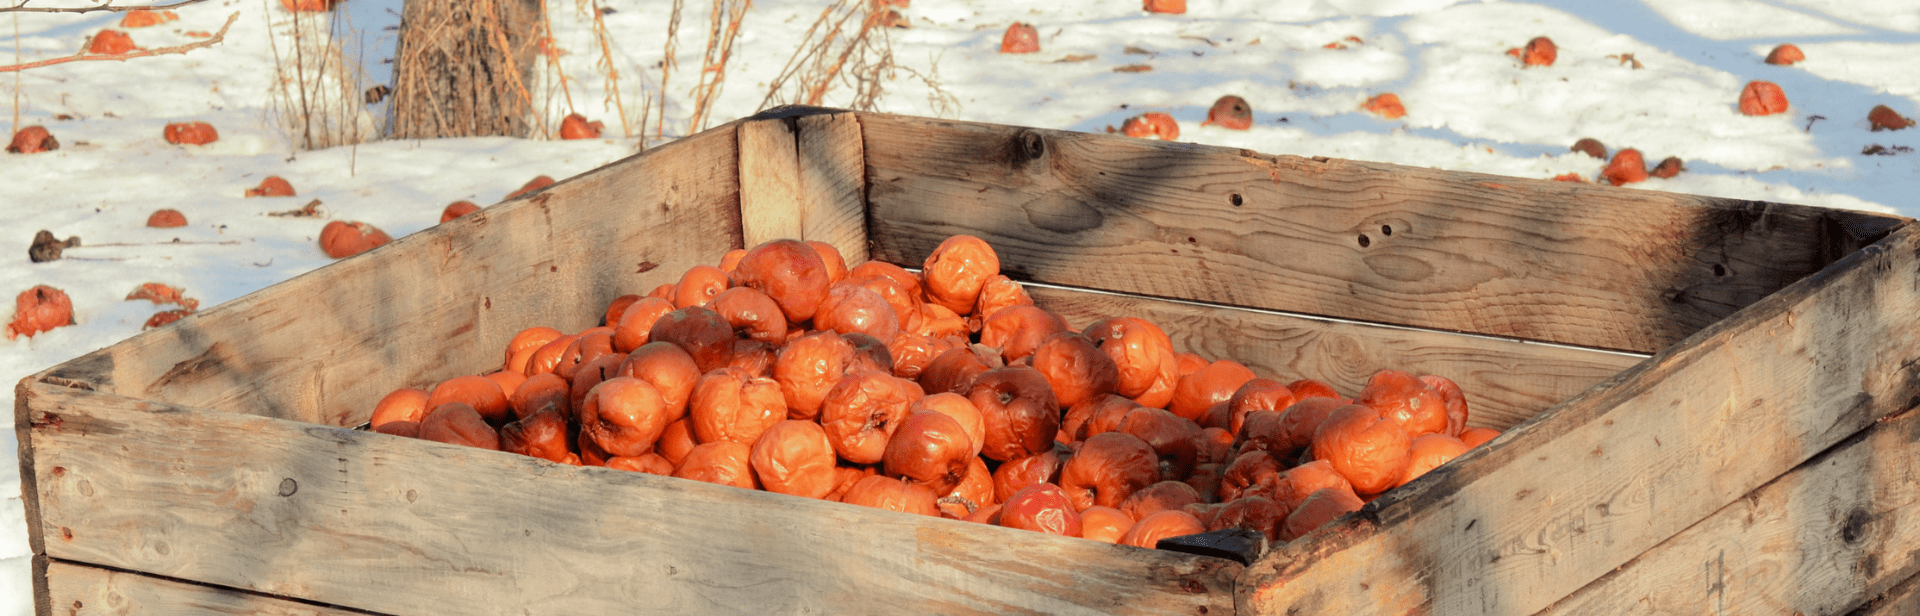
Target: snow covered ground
{"x": 1470, "y": 107}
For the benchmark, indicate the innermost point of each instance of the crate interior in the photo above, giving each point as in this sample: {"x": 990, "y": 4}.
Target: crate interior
{"x": 1497, "y": 257}
{"x": 1504, "y": 285}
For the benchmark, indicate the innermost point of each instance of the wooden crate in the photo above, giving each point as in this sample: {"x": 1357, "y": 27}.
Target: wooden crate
{"x": 1760, "y": 461}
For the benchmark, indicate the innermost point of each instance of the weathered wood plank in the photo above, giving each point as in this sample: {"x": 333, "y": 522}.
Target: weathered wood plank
{"x": 81, "y": 590}
{"x": 1588, "y": 485}
{"x": 395, "y": 525}
{"x": 1903, "y": 600}
{"x": 770, "y": 185}
{"x": 326, "y": 345}
{"x": 804, "y": 178}
{"x": 1576, "y": 264}
{"x": 833, "y": 174}
{"x": 1824, "y": 539}
{"x": 1506, "y": 381}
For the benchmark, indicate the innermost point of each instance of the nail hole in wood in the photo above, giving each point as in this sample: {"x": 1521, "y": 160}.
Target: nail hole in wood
{"x": 1364, "y": 242}
{"x": 1719, "y": 270}
{"x": 1386, "y": 230}
{"x": 1234, "y": 199}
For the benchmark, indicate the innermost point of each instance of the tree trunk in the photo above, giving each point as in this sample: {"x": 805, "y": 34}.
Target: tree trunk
{"x": 463, "y": 68}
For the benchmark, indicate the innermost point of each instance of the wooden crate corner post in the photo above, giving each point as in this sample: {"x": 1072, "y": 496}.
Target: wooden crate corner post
{"x": 803, "y": 176}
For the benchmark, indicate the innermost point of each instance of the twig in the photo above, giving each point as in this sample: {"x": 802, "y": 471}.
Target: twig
{"x": 553, "y": 57}
{"x": 23, "y": 8}
{"x": 310, "y": 210}
{"x": 666, "y": 69}
{"x": 176, "y": 242}
{"x": 613, "y": 72}
{"x": 793, "y": 61}
{"x": 15, "y": 126}
{"x": 713, "y": 74}
{"x": 83, "y": 56}
{"x": 819, "y": 89}
{"x": 498, "y": 37}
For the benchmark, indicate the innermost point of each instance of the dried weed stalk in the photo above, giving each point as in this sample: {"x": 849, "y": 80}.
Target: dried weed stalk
{"x": 666, "y": 68}
{"x": 550, "y": 48}
{"x": 849, "y": 45}
{"x": 608, "y": 67}
{"x": 724, "y": 30}
{"x": 316, "y": 98}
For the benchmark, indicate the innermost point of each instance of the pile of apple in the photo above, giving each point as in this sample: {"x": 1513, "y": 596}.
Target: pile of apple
{"x": 945, "y": 393}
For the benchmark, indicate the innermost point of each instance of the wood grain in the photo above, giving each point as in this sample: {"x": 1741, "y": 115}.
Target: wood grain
{"x": 1506, "y": 381}
{"x": 1824, "y": 539}
{"x": 770, "y": 186}
{"x": 394, "y": 525}
{"x": 1586, "y": 265}
{"x": 804, "y": 178}
{"x": 1903, "y": 600}
{"x": 81, "y": 590}
{"x": 833, "y": 174}
{"x": 326, "y": 345}
{"x": 1588, "y": 485}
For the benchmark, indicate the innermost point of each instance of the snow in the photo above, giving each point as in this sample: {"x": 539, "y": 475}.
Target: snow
{"x": 1470, "y": 107}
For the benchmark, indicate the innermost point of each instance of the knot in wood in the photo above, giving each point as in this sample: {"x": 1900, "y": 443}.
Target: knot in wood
{"x": 1855, "y": 527}
{"x": 1032, "y": 145}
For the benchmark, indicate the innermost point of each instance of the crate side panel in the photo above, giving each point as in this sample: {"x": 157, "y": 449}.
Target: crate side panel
{"x": 80, "y": 590}
{"x": 324, "y": 346}
{"x": 1588, "y": 485}
{"x": 1823, "y": 539}
{"x": 395, "y": 525}
{"x": 1506, "y": 382}
{"x": 1577, "y": 264}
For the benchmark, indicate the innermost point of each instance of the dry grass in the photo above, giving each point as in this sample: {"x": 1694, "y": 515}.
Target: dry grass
{"x": 849, "y": 46}
{"x": 724, "y": 30}
{"x": 609, "y": 69}
{"x": 667, "y": 64}
{"x": 316, "y": 99}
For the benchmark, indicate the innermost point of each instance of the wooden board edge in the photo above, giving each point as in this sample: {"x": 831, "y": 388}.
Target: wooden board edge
{"x": 769, "y": 181}
{"x": 1832, "y": 504}
{"x": 42, "y": 596}
{"x": 833, "y": 172}
{"x": 1901, "y": 600}
{"x": 1849, "y": 231}
{"x": 1204, "y": 584}
{"x": 1886, "y": 392}
{"x": 97, "y": 590}
{"x": 23, "y": 401}
{"x": 804, "y": 177}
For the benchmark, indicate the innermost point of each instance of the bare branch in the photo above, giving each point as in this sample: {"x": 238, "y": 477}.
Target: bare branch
{"x": 23, "y": 8}
{"x": 84, "y": 56}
